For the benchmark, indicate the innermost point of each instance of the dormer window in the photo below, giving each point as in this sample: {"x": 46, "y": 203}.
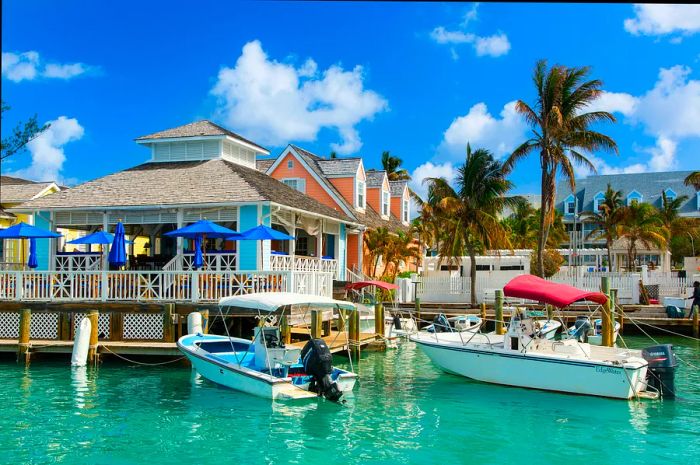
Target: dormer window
{"x": 598, "y": 201}
{"x": 361, "y": 194}
{"x": 405, "y": 212}
{"x": 570, "y": 205}
{"x": 385, "y": 203}
{"x": 634, "y": 197}
{"x": 670, "y": 194}
{"x": 697, "y": 199}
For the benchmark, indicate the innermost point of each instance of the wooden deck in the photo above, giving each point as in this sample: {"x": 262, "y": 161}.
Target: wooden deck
{"x": 120, "y": 347}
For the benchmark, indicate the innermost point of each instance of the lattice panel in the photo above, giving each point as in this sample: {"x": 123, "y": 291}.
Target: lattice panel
{"x": 103, "y": 326}
{"x": 143, "y": 326}
{"x": 9, "y": 325}
{"x": 44, "y": 326}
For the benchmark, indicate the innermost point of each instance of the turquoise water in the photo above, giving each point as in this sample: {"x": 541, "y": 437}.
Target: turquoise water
{"x": 404, "y": 411}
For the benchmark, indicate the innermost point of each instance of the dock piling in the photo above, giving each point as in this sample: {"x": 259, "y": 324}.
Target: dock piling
{"x": 94, "y": 317}
{"x": 354, "y": 334}
{"x": 379, "y": 319}
{"x": 285, "y": 330}
{"x": 613, "y": 312}
{"x": 417, "y": 304}
{"x": 168, "y": 322}
{"x": 606, "y": 316}
{"x": 483, "y": 312}
{"x": 499, "y": 312}
{"x": 316, "y": 321}
{"x": 205, "y": 321}
{"x": 25, "y": 321}
{"x": 696, "y": 322}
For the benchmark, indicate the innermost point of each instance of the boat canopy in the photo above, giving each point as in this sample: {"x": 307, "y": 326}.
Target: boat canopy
{"x": 380, "y": 284}
{"x": 560, "y": 295}
{"x": 272, "y": 301}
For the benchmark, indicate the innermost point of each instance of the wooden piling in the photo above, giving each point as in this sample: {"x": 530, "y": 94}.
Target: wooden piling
{"x": 417, "y": 304}
{"x": 168, "y": 313}
{"x": 25, "y": 321}
{"x": 342, "y": 320}
{"x": 483, "y": 312}
{"x": 316, "y": 319}
{"x": 550, "y": 312}
{"x": 606, "y": 316}
{"x": 613, "y": 312}
{"x": 379, "y": 319}
{"x": 696, "y": 321}
{"x": 285, "y": 330}
{"x": 499, "y": 312}
{"x": 354, "y": 334}
{"x": 94, "y": 317}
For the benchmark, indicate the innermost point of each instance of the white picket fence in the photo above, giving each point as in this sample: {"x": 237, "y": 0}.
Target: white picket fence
{"x": 155, "y": 286}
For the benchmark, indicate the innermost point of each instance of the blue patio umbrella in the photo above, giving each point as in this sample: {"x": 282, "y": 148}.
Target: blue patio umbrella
{"x": 117, "y": 253}
{"x": 98, "y": 237}
{"x": 198, "y": 260}
{"x": 263, "y": 233}
{"x": 32, "y": 262}
{"x": 199, "y": 231}
{"x": 23, "y": 230}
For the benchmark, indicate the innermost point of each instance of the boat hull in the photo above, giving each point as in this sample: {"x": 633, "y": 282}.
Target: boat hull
{"x": 538, "y": 372}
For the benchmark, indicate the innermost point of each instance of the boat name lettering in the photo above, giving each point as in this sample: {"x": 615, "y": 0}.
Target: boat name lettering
{"x": 611, "y": 370}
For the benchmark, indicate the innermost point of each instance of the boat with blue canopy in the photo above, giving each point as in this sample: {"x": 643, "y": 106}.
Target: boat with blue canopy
{"x": 265, "y": 366}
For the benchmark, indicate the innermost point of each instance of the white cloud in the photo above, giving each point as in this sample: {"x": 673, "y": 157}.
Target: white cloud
{"x": 483, "y": 130}
{"x": 430, "y": 170}
{"x": 47, "y": 150}
{"x": 275, "y": 103}
{"x": 615, "y": 102}
{"x": 494, "y": 45}
{"x": 660, "y": 19}
{"x": 28, "y": 66}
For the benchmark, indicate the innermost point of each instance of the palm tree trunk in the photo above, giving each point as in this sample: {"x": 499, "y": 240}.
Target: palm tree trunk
{"x": 541, "y": 238}
{"x": 472, "y": 274}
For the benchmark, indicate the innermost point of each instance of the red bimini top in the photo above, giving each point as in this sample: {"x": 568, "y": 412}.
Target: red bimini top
{"x": 380, "y": 284}
{"x": 560, "y": 295}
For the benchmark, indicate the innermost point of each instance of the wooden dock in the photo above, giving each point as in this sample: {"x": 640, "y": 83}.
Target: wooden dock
{"x": 336, "y": 341}
{"x": 50, "y": 346}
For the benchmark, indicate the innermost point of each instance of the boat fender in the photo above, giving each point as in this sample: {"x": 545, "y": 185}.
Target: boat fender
{"x": 318, "y": 363}
{"x": 81, "y": 344}
{"x": 194, "y": 323}
{"x": 662, "y": 369}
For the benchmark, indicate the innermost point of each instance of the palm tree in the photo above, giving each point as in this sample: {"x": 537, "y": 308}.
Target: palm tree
{"x": 561, "y": 131}
{"x": 400, "y": 248}
{"x": 607, "y": 220}
{"x": 424, "y": 231}
{"x": 392, "y": 166}
{"x": 376, "y": 241}
{"x": 641, "y": 223}
{"x": 676, "y": 225}
{"x": 693, "y": 179}
{"x": 470, "y": 212}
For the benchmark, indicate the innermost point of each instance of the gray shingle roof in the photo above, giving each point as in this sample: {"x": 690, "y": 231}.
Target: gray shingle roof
{"x": 375, "y": 178}
{"x": 339, "y": 166}
{"x": 650, "y": 185}
{"x": 264, "y": 164}
{"x": 396, "y": 188}
{"x": 373, "y": 220}
{"x": 198, "y": 129}
{"x": 173, "y": 183}
{"x": 16, "y": 190}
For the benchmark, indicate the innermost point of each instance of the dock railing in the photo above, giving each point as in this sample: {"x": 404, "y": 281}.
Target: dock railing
{"x": 155, "y": 286}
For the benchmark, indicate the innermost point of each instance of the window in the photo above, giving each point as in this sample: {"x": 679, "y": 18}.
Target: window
{"x": 697, "y": 198}
{"x": 598, "y": 201}
{"x": 302, "y": 246}
{"x": 298, "y": 184}
{"x": 405, "y": 211}
{"x": 385, "y": 203}
{"x": 290, "y": 164}
{"x": 633, "y": 197}
{"x": 361, "y": 193}
{"x": 670, "y": 194}
{"x": 570, "y": 207}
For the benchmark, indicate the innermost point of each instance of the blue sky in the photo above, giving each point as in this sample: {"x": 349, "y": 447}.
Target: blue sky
{"x": 418, "y": 79}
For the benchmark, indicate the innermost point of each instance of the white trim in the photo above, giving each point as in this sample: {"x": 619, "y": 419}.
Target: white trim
{"x": 203, "y": 138}
{"x": 322, "y": 182}
{"x": 597, "y": 201}
{"x": 629, "y": 200}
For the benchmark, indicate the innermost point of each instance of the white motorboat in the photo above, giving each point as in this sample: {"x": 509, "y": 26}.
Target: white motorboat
{"x": 523, "y": 358}
{"x": 265, "y": 366}
{"x": 581, "y": 330}
{"x": 442, "y": 324}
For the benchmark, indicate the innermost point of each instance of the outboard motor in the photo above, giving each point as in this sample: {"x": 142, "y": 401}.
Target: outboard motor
{"x": 581, "y": 327}
{"x": 441, "y": 324}
{"x": 397, "y": 322}
{"x": 318, "y": 362}
{"x": 662, "y": 369}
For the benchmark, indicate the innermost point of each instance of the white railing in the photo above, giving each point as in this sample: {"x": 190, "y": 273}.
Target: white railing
{"x": 213, "y": 261}
{"x": 155, "y": 286}
{"x": 78, "y": 262}
{"x": 297, "y": 263}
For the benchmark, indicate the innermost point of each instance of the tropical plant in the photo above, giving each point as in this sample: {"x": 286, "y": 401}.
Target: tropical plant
{"x": 693, "y": 179}
{"x": 552, "y": 262}
{"x": 22, "y": 134}
{"x": 523, "y": 228}
{"x": 607, "y": 220}
{"x": 400, "y": 248}
{"x": 561, "y": 132}
{"x": 641, "y": 223}
{"x": 677, "y": 226}
{"x": 469, "y": 212}
{"x": 392, "y": 166}
{"x": 376, "y": 241}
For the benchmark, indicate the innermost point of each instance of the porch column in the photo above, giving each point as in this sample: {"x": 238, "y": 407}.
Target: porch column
{"x": 265, "y": 218}
{"x": 105, "y": 252}
{"x": 247, "y": 250}
{"x": 341, "y": 252}
{"x": 360, "y": 251}
{"x": 292, "y": 242}
{"x": 319, "y": 241}
{"x": 53, "y": 244}
{"x": 180, "y": 241}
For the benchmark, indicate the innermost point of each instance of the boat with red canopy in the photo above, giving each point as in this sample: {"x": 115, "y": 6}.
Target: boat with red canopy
{"x": 523, "y": 358}
{"x": 380, "y": 284}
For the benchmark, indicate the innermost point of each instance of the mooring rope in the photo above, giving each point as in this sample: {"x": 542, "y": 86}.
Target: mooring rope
{"x": 141, "y": 363}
